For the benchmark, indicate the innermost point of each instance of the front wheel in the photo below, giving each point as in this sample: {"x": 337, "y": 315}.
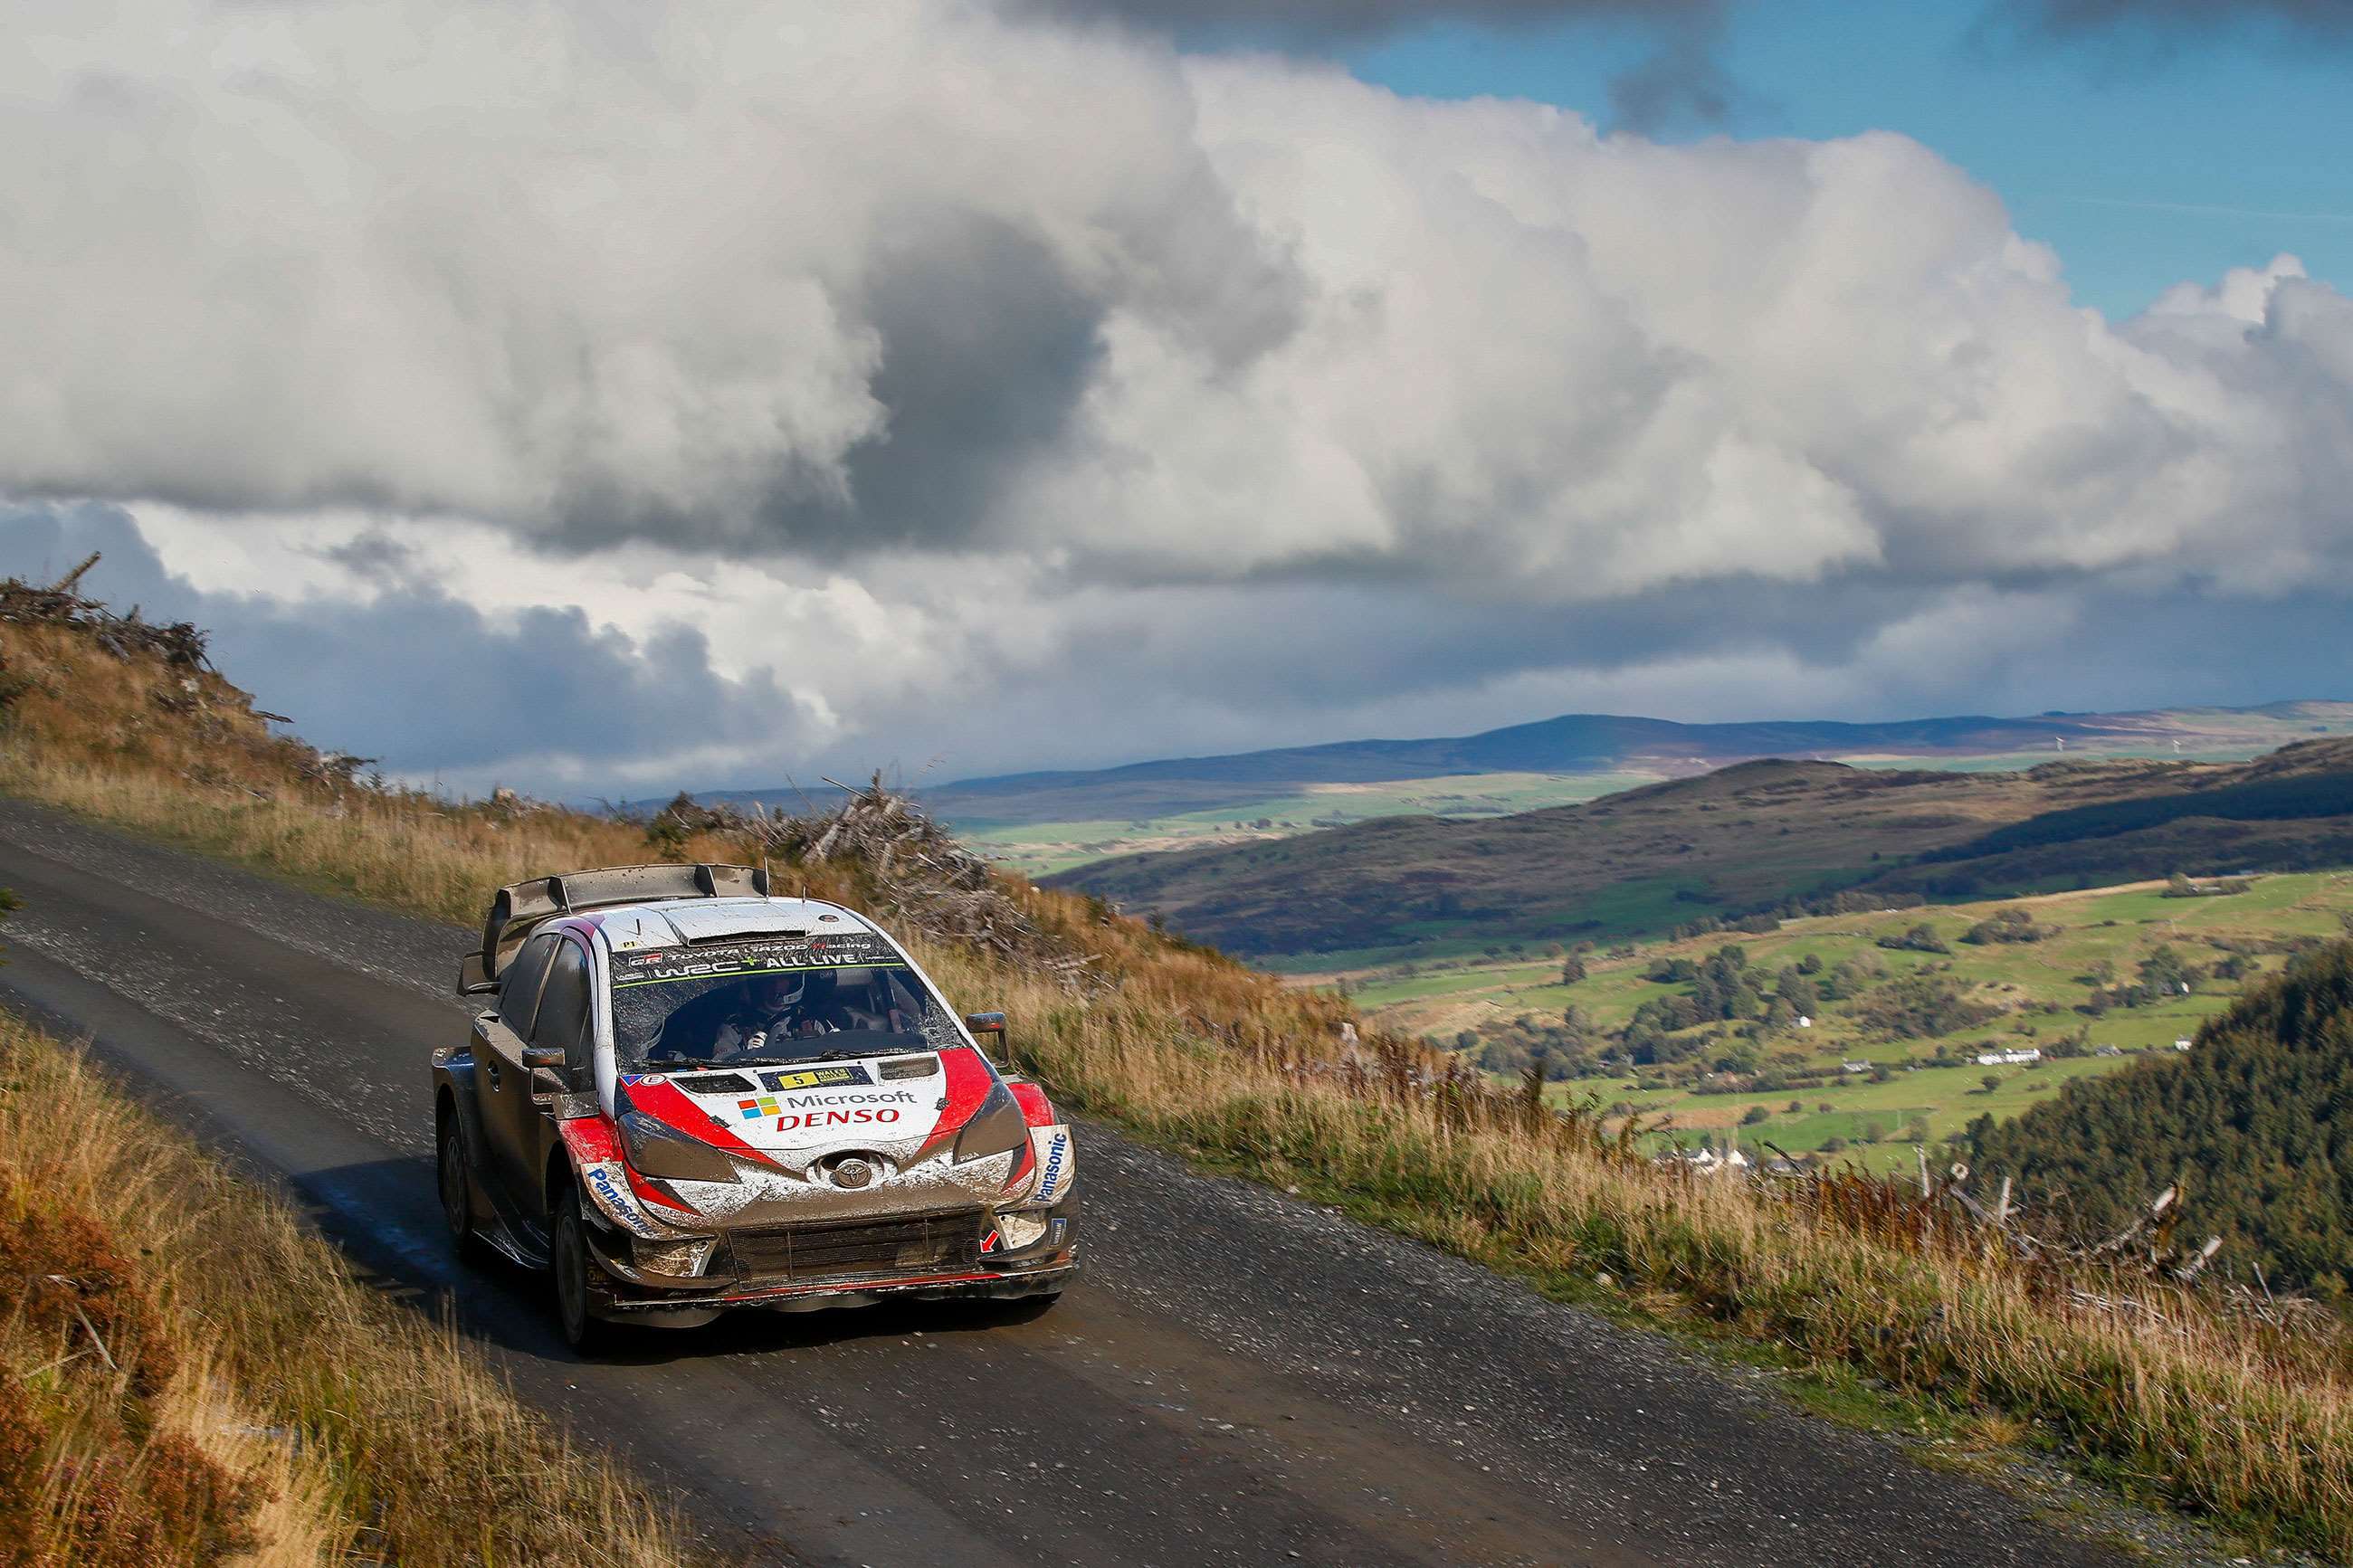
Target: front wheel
{"x": 457, "y": 1197}
{"x": 583, "y": 1331}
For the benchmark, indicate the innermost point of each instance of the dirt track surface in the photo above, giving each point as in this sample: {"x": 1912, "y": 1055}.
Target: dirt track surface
{"x": 1237, "y": 1377}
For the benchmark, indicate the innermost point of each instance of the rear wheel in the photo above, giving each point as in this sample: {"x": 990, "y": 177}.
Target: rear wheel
{"x": 457, "y": 1199}
{"x": 583, "y": 1332}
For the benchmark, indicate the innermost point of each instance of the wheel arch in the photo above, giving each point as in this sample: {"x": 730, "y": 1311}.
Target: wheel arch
{"x": 557, "y": 1177}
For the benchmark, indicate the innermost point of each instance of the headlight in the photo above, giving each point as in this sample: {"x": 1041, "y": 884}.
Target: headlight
{"x": 1022, "y": 1231}
{"x": 679, "y": 1260}
{"x": 997, "y": 1128}
{"x": 658, "y": 1149}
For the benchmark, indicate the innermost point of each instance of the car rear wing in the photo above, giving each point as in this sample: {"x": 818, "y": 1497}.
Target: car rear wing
{"x": 519, "y": 910}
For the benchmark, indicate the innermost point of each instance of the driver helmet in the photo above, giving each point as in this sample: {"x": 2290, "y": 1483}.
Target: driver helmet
{"x": 779, "y": 991}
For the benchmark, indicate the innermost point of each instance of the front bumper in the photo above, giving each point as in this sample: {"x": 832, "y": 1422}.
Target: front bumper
{"x": 752, "y": 1270}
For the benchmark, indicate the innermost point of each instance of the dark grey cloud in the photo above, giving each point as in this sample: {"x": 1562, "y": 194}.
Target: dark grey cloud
{"x": 431, "y": 686}
{"x": 1221, "y": 672}
{"x": 2329, "y": 19}
{"x": 988, "y": 344}
{"x": 2149, "y": 31}
{"x": 549, "y": 702}
{"x": 1683, "y": 81}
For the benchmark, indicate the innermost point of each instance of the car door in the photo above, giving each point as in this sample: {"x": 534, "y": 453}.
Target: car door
{"x": 509, "y": 1118}
{"x": 561, "y": 1025}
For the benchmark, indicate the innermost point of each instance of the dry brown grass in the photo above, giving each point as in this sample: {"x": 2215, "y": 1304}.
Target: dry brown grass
{"x": 1209, "y": 1057}
{"x": 186, "y": 1375}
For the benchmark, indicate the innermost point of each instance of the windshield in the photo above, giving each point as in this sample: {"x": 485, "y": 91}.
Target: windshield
{"x": 771, "y": 1001}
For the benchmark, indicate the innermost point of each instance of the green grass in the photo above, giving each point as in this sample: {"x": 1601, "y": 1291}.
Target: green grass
{"x": 2120, "y": 926}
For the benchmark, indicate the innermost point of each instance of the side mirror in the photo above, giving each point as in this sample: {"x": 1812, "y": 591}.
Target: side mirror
{"x": 473, "y": 979}
{"x": 986, "y": 1024}
{"x": 543, "y": 1058}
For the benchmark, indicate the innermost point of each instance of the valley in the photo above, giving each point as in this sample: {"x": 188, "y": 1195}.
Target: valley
{"x": 1763, "y": 1077}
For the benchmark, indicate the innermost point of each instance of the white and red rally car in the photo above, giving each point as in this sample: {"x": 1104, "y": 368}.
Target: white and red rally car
{"x": 690, "y": 1097}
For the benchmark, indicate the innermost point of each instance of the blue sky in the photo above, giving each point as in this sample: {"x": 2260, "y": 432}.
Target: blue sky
{"x": 2142, "y": 163}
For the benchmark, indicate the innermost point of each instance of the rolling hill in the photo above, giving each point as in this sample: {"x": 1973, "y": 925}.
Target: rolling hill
{"x": 1041, "y": 823}
{"x": 1754, "y": 837}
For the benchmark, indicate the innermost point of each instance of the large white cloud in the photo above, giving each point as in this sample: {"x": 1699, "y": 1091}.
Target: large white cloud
{"x": 917, "y": 353}
{"x": 906, "y": 272}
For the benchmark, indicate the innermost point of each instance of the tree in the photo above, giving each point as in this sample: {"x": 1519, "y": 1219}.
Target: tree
{"x": 1916, "y": 1130}
{"x": 1921, "y": 938}
{"x": 2164, "y": 971}
{"x": 1755, "y": 1114}
{"x": 1992, "y": 1081}
{"x": 2261, "y": 1114}
{"x": 1572, "y": 969}
{"x": 1798, "y": 991}
{"x": 2006, "y": 925}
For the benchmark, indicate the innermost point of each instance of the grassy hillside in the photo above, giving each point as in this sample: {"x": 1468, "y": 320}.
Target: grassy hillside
{"x": 1710, "y": 1079}
{"x": 1043, "y": 823}
{"x": 2258, "y": 1118}
{"x": 1754, "y": 837}
{"x": 2238, "y": 1419}
{"x": 194, "y": 1378}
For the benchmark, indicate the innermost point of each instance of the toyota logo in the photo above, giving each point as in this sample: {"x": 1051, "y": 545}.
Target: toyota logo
{"x": 852, "y": 1174}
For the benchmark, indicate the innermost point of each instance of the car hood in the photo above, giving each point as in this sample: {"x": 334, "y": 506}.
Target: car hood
{"x": 785, "y": 1130}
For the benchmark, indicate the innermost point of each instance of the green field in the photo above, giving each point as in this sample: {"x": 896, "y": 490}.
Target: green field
{"x": 2041, "y": 986}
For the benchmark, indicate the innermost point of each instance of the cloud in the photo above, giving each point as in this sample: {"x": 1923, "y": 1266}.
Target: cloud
{"x": 921, "y": 376}
{"x": 837, "y": 283}
{"x": 2305, "y": 21}
{"x": 1680, "y": 81}
{"x": 435, "y": 687}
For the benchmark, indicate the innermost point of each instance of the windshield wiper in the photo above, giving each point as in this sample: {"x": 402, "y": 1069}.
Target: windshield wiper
{"x": 836, "y": 1056}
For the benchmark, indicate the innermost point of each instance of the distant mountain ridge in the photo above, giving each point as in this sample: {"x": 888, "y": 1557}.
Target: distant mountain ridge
{"x": 1585, "y": 743}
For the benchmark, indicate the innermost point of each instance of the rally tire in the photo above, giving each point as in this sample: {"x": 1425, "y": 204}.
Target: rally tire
{"x": 583, "y": 1330}
{"x": 455, "y": 1187}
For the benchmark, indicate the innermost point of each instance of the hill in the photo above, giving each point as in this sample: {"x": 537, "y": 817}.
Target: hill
{"x": 2255, "y": 1120}
{"x": 1757, "y": 837}
{"x": 1850, "y": 1034}
{"x": 1867, "y": 1283}
{"x": 1047, "y": 822}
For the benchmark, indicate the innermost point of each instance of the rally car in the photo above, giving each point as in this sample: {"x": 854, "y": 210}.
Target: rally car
{"x": 686, "y": 1096}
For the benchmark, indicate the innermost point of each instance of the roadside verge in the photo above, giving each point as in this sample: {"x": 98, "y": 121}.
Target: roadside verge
{"x": 195, "y": 1375}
